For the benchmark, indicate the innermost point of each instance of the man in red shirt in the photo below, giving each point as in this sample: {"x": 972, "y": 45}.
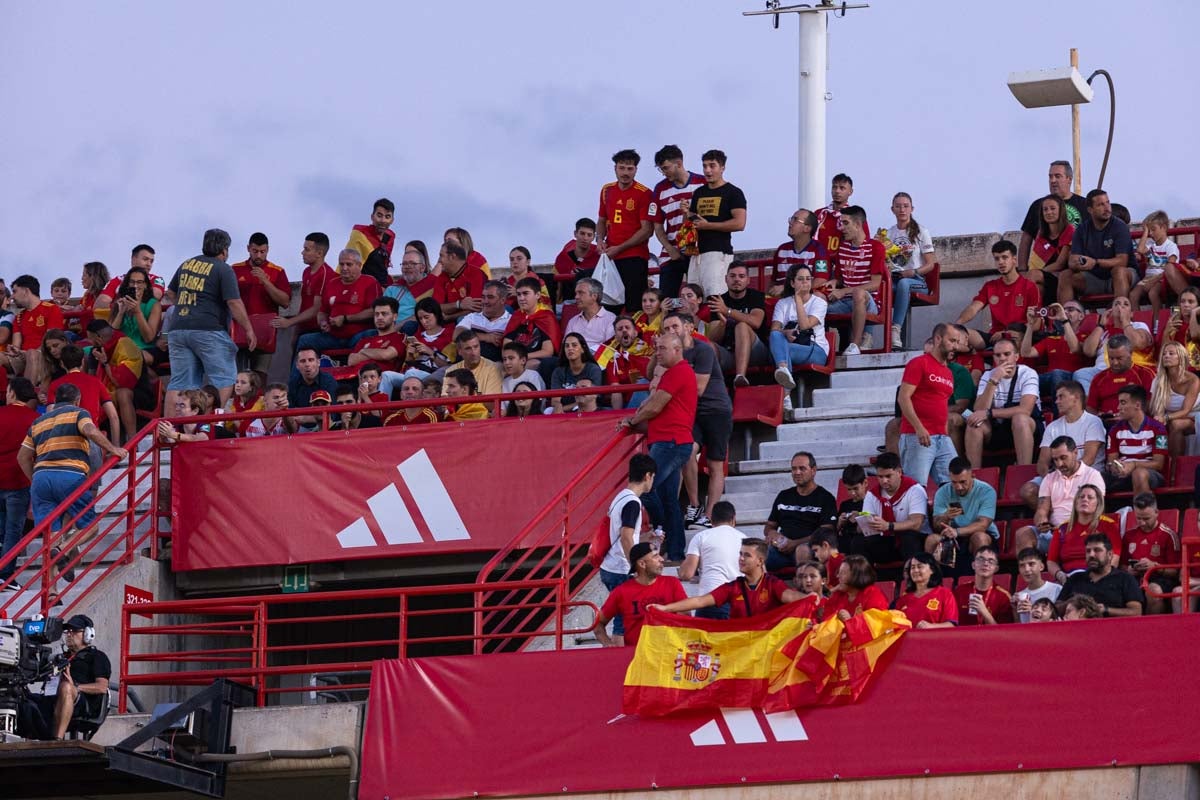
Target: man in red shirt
{"x": 15, "y": 419}
{"x": 94, "y": 397}
{"x": 669, "y": 203}
{"x": 142, "y": 256}
{"x": 265, "y": 289}
{"x": 623, "y": 226}
{"x": 384, "y": 347}
{"x": 1149, "y": 545}
{"x": 1062, "y": 347}
{"x": 756, "y": 592}
{"x": 316, "y": 278}
{"x": 1006, "y": 298}
{"x": 670, "y": 414}
{"x": 981, "y": 601}
{"x": 1102, "y": 398}
{"x": 374, "y": 242}
{"x": 858, "y": 274}
{"x": 35, "y": 316}
{"x": 925, "y": 390}
{"x": 630, "y": 599}
{"x": 829, "y": 218}
{"x": 459, "y": 286}
{"x": 346, "y": 307}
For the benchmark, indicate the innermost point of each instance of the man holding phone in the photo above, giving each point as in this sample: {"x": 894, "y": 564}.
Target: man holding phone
{"x": 963, "y": 513}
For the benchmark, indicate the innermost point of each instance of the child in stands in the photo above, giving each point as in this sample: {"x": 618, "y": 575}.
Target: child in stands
{"x": 247, "y": 396}
{"x": 649, "y": 319}
{"x": 1158, "y": 251}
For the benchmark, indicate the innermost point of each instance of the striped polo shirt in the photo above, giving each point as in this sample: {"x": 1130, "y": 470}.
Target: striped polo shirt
{"x": 56, "y": 441}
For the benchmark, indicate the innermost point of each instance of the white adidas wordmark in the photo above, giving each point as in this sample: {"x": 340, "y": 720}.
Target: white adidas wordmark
{"x": 745, "y": 727}
{"x": 393, "y": 517}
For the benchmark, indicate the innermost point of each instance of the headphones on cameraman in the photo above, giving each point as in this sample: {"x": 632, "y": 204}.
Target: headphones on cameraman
{"x": 89, "y": 635}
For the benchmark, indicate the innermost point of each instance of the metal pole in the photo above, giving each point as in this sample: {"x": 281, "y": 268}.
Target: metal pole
{"x": 814, "y": 58}
{"x": 1075, "y": 131}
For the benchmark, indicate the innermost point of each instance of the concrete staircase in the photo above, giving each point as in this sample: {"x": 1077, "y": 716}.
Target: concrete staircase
{"x": 844, "y": 425}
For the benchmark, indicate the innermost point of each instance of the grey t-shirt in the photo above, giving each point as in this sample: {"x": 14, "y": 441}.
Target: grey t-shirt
{"x": 703, "y": 361}
{"x": 202, "y": 286}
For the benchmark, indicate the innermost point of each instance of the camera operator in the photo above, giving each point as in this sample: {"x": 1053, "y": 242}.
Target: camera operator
{"x": 82, "y": 683}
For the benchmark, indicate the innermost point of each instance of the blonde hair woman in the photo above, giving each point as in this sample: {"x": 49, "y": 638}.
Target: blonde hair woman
{"x": 1173, "y": 398}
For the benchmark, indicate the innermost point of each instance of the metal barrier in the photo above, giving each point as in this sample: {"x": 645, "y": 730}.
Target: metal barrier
{"x": 1189, "y": 565}
{"x": 255, "y": 640}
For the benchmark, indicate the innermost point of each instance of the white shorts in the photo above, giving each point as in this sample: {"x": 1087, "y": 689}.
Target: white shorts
{"x": 708, "y": 270}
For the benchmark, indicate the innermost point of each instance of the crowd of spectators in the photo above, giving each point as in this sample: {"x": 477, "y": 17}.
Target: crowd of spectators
{"x": 1101, "y": 400}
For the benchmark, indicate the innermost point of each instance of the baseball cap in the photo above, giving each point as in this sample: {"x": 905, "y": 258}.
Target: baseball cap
{"x": 637, "y": 553}
{"x": 321, "y": 395}
{"x": 78, "y": 623}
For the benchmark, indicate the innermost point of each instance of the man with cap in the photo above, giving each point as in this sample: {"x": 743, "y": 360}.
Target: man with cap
{"x": 629, "y": 600}
{"x": 81, "y": 685}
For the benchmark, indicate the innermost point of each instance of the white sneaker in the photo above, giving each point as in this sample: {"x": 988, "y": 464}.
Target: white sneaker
{"x": 787, "y": 402}
{"x": 897, "y": 338}
{"x": 868, "y": 341}
{"x": 851, "y": 350}
{"x": 783, "y": 376}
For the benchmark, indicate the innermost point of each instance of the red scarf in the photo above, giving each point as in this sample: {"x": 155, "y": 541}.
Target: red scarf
{"x": 888, "y": 504}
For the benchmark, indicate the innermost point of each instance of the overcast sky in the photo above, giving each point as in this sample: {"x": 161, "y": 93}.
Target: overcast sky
{"x": 148, "y": 121}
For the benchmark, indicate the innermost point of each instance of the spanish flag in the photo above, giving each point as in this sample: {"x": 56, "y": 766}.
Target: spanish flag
{"x": 772, "y": 661}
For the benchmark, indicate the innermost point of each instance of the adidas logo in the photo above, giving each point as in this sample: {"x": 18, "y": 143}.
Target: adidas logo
{"x": 750, "y": 726}
{"x": 392, "y": 515}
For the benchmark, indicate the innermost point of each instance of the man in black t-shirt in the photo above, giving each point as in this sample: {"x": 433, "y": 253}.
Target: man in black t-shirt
{"x": 1115, "y": 590}
{"x": 714, "y": 418}
{"x": 718, "y": 210}
{"x": 796, "y": 514}
{"x": 739, "y": 324}
{"x": 81, "y": 686}
{"x": 1060, "y": 184}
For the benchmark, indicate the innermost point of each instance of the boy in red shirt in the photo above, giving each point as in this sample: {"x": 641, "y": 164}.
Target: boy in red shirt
{"x": 35, "y": 316}
{"x": 756, "y": 592}
{"x": 623, "y": 226}
{"x": 1006, "y": 298}
{"x": 631, "y": 599}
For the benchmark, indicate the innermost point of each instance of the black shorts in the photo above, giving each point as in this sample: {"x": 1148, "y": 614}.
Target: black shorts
{"x": 712, "y": 432}
{"x": 885, "y": 549}
{"x": 1002, "y": 435}
{"x": 1165, "y": 582}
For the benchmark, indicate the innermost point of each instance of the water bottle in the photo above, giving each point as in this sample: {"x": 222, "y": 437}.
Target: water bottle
{"x": 1024, "y": 616}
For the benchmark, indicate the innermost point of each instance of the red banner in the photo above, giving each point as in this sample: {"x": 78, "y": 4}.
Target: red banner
{"x": 330, "y": 496}
{"x": 999, "y": 699}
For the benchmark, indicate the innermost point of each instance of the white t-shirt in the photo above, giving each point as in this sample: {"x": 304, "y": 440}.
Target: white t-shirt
{"x": 614, "y": 559}
{"x": 1050, "y": 590}
{"x": 718, "y": 549}
{"x": 476, "y": 321}
{"x": 509, "y": 384}
{"x": 1088, "y": 428}
{"x": 1157, "y": 256}
{"x": 1027, "y": 384}
{"x": 785, "y": 314}
{"x": 923, "y": 244}
{"x": 914, "y": 501}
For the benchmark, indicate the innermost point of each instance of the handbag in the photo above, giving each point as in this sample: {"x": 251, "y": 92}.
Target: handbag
{"x": 610, "y": 281}
{"x": 261, "y": 323}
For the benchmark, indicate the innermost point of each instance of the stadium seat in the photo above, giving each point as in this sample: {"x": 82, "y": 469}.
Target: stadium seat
{"x": 569, "y": 310}
{"x": 762, "y": 404}
{"x": 821, "y": 369}
{"x": 889, "y": 590}
{"x": 1191, "y": 525}
{"x": 1008, "y": 537}
{"x": 842, "y": 495}
{"x": 1182, "y": 476}
{"x": 1004, "y": 581}
{"x": 931, "y": 298}
{"x": 1015, "y": 476}
{"x": 882, "y": 319}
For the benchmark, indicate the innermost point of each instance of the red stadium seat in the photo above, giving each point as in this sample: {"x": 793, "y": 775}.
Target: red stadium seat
{"x": 1182, "y": 476}
{"x": 842, "y": 495}
{"x": 934, "y": 296}
{"x": 883, "y": 318}
{"x": 762, "y": 404}
{"x": 1004, "y": 581}
{"x": 569, "y": 310}
{"x": 889, "y": 590}
{"x": 1015, "y": 476}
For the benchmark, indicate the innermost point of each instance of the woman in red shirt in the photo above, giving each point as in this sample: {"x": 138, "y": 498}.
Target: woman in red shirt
{"x": 1048, "y": 256}
{"x": 925, "y": 601}
{"x": 1183, "y": 326}
{"x": 1067, "y": 546}
{"x": 856, "y": 590}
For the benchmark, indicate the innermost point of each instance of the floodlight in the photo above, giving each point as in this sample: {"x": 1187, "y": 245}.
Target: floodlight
{"x": 1061, "y": 86}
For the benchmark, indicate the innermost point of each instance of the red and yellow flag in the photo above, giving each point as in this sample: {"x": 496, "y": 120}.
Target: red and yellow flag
{"x": 773, "y": 661}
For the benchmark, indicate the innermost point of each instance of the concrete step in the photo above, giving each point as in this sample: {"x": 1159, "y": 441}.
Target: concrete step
{"x": 736, "y": 485}
{"x": 825, "y": 449}
{"x": 831, "y": 464}
{"x": 875, "y": 361}
{"x": 823, "y": 431}
{"x": 866, "y": 409}
{"x": 12, "y": 602}
{"x": 876, "y": 377}
{"x": 850, "y": 399}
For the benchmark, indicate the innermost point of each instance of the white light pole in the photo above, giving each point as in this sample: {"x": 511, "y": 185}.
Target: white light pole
{"x": 812, "y": 94}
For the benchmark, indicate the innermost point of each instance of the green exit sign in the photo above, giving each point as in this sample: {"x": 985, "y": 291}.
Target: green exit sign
{"x": 295, "y": 579}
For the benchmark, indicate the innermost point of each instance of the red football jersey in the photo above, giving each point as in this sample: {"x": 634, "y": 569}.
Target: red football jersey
{"x": 1058, "y": 355}
{"x": 1067, "y": 545}
{"x": 625, "y": 210}
{"x": 868, "y": 598}
{"x": 997, "y": 600}
{"x": 748, "y": 601}
{"x": 32, "y": 323}
{"x": 467, "y": 283}
{"x": 1007, "y": 302}
{"x": 668, "y": 201}
{"x": 92, "y": 393}
{"x": 254, "y": 295}
{"x": 394, "y": 339}
{"x": 342, "y": 298}
{"x": 936, "y": 605}
{"x": 1160, "y": 545}
{"x": 629, "y": 600}
{"x": 312, "y": 286}
{"x": 829, "y": 228}
{"x": 856, "y": 265}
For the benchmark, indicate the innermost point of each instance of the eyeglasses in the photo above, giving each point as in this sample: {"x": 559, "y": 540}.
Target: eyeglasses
{"x": 986, "y": 561}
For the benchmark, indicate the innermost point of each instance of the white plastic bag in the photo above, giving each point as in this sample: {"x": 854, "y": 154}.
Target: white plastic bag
{"x": 614, "y": 288}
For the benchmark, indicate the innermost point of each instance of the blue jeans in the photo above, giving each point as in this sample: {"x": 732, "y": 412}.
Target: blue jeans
{"x": 195, "y": 354}
{"x": 663, "y": 502}
{"x": 14, "y": 507}
{"x": 845, "y": 305}
{"x": 919, "y": 462}
{"x": 902, "y": 296}
{"x": 796, "y": 355}
{"x": 1048, "y": 382}
{"x": 1085, "y": 376}
{"x": 612, "y": 580}
{"x": 321, "y": 341}
{"x": 50, "y": 488}
{"x": 777, "y": 560}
